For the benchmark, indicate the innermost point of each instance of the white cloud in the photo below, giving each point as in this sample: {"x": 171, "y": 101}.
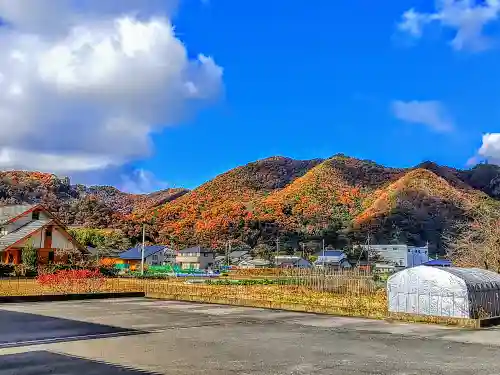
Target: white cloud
{"x": 429, "y": 113}
{"x": 490, "y": 148}
{"x": 84, "y": 84}
{"x": 141, "y": 181}
{"x": 466, "y": 18}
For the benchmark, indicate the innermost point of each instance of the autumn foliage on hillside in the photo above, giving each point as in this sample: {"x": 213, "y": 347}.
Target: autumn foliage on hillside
{"x": 220, "y": 208}
{"x": 344, "y": 195}
{"x": 333, "y": 190}
{"x": 418, "y": 208}
{"x": 341, "y": 199}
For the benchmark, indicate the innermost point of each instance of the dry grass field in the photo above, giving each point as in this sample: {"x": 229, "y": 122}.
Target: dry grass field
{"x": 333, "y": 293}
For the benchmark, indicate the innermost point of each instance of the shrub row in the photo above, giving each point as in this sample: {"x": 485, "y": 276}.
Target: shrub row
{"x": 253, "y": 282}
{"x": 8, "y": 270}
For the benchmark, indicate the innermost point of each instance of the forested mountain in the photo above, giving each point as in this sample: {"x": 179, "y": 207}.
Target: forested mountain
{"x": 341, "y": 199}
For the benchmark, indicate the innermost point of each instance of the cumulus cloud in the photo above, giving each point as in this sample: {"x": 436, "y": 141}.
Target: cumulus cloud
{"x": 466, "y": 18}
{"x": 490, "y": 148}
{"x": 84, "y": 84}
{"x": 141, "y": 181}
{"x": 428, "y": 113}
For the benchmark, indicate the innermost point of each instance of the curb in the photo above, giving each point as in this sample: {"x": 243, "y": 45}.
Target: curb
{"x": 69, "y": 297}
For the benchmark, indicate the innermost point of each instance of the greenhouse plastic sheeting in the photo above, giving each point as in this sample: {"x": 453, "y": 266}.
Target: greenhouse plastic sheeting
{"x": 447, "y": 292}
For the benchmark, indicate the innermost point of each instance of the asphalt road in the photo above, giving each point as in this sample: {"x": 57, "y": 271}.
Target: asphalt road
{"x": 140, "y": 336}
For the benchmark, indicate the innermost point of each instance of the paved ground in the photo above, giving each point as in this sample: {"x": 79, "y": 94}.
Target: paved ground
{"x": 140, "y": 336}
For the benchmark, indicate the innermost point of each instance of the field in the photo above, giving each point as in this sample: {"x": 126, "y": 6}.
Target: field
{"x": 349, "y": 294}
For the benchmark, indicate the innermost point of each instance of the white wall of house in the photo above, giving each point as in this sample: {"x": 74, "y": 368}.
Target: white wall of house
{"x": 60, "y": 241}
{"x": 400, "y": 255}
{"x": 201, "y": 261}
{"x": 36, "y": 239}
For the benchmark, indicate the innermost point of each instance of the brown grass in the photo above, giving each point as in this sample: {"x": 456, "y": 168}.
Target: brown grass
{"x": 442, "y": 320}
{"x": 287, "y": 297}
{"x": 290, "y": 297}
{"x": 30, "y": 287}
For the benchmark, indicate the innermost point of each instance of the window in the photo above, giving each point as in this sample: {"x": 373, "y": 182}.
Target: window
{"x": 48, "y": 233}
{"x": 155, "y": 258}
{"x": 205, "y": 254}
{"x": 35, "y": 215}
{"x": 51, "y": 256}
{"x": 3, "y": 231}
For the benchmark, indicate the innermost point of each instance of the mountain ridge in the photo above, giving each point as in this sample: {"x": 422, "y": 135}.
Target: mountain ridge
{"x": 276, "y": 196}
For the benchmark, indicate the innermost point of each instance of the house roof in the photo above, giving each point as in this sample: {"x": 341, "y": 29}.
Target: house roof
{"x": 331, "y": 253}
{"x": 238, "y": 253}
{"x": 112, "y": 253}
{"x": 8, "y": 213}
{"x": 195, "y": 249}
{"x": 135, "y": 253}
{"x": 11, "y": 238}
{"x": 255, "y": 262}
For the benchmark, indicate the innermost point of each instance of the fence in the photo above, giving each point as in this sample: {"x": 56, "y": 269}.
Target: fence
{"x": 351, "y": 293}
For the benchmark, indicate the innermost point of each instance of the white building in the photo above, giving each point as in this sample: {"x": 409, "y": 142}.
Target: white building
{"x": 398, "y": 255}
{"x": 196, "y": 257}
{"x": 445, "y": 291}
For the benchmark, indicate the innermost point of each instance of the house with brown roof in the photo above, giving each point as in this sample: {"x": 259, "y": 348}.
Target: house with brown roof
{"x": 22, "y": 225}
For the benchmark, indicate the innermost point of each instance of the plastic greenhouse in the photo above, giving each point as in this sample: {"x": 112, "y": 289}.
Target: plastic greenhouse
{"x": 448, "y": 292}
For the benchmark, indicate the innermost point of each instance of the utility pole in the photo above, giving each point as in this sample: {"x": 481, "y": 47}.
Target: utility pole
{"x": 277, "y": 251}
{"x": 142, "y": 249}
{"x": 323, "y": 253}
{"x": 228, "y": 251}
{"x": 368, "y": 251}
{"x": 303, "y": 251}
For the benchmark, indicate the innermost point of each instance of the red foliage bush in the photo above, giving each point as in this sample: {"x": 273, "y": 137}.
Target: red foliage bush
{"x": 71, "y": 280}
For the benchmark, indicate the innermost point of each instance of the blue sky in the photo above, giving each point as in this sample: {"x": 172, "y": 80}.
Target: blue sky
{"x": 311, "y": 81}
{"x": 213, "y": 84}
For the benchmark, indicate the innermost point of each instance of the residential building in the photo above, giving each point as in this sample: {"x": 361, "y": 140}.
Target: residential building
{"x": 238, "y": 255}
{"x": 254, "y": 263}
{"x": 234, "y": 257}
{"x": 398, "y": 255}
{"x": 23, "y": 225}
{"x": 156, "y": 255}
{"x": 332, "y": 258}
{"x": 196, "y": 258}
{"x": 288, "y": 261}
